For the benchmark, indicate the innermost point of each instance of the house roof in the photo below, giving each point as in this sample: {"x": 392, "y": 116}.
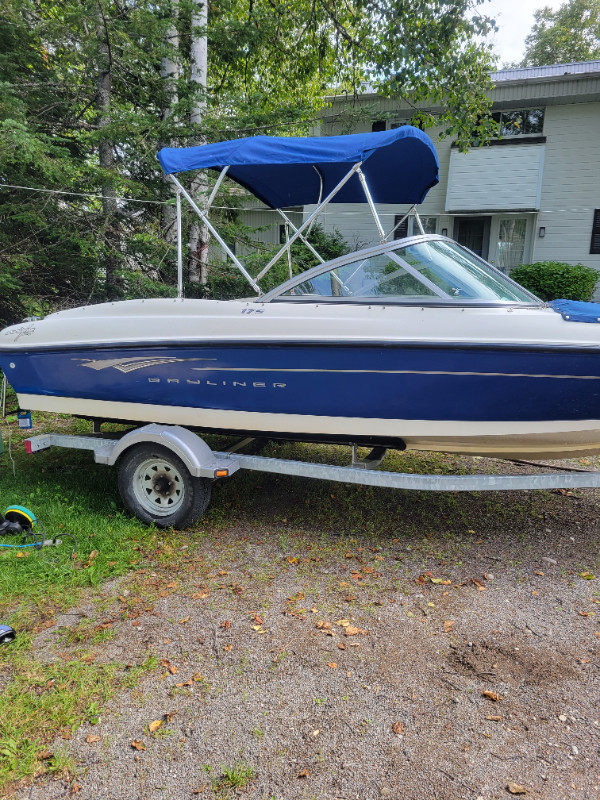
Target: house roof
{"x": 551, "y": 71}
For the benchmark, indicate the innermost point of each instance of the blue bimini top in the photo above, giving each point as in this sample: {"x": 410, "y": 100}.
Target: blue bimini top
{"x": 400, "y": 166}
{"x": 576, "y": 310}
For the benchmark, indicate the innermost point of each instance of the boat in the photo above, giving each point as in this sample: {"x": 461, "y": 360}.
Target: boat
{"x": 412, "y": 343}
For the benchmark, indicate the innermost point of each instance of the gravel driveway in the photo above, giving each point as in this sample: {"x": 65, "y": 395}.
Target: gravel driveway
{"x": 313, "y": 640}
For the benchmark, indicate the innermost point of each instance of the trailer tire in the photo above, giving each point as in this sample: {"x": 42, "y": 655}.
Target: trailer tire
{"x": 157, "y": 487}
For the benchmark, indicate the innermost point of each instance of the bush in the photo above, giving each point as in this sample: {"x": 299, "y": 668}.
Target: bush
{"x": 225, "y": 281}
{"x": 551, "y": 280}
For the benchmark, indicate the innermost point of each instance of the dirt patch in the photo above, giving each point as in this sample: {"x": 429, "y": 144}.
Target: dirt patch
{"x": 515, "y": 662}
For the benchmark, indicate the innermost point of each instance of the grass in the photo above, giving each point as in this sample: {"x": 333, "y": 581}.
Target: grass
{"x": 41, "y": 701}
{"x": 233, "y": 779}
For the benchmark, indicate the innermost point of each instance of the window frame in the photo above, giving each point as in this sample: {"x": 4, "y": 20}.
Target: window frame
{"x": 277, "y": 294}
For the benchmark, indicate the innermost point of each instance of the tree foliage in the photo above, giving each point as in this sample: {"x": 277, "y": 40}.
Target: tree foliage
{"x": 271, "y": 65}
{"x": 571, "y": 33}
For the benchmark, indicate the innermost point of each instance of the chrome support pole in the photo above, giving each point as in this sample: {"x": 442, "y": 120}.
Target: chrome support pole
{"x": 365, "y": 187}
{"x": 289, "y": 252}
{"x": 217, "y": 236}
{"x": 397, "y": 225}
{"x": 307, "y": 221}
{"x": 179, "y": 247}
{"x": 418, "y": 218}
{"x": 302, "y": 238}
{"x": 218, "y": 183}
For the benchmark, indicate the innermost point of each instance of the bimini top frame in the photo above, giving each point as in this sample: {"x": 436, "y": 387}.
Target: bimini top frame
{"x": 397, "y": 167}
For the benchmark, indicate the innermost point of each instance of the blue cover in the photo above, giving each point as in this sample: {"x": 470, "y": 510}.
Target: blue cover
{"x": 400, "y": 166}
{"x": 576, "y": 311}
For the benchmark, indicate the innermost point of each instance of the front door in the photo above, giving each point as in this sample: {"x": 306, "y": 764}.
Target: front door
{"x": 474, "y": 233}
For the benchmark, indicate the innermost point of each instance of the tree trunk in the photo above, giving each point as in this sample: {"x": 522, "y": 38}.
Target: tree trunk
{"x": 199, "y": 235}
{"x": 169, "y": 72}
{"x": 106, "y": 157}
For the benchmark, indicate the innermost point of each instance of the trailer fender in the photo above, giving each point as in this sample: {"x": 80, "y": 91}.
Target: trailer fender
{"x": 191, "y": 449}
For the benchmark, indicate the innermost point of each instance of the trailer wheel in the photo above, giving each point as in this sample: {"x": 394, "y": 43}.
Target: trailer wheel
{"x": 157, "y": 487}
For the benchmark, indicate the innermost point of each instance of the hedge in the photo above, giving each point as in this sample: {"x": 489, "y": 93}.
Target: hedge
{"x": 551, "y": 280}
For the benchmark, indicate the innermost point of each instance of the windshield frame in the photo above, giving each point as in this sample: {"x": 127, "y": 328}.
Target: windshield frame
{"x": 278, "y": 294}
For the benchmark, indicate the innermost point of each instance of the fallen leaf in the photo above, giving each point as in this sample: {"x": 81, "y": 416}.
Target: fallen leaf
{"x": 492, "y": 696}
{"x": 448, "y": 625}
{"x": 228, "y": 648}
{"x": 93, "y": 555}
{"x": 226, "y": 625}
{"x": 586, "y": 613}
{"x": 257, "y": 619}
{"x": 350, "y": 630}
{"x": 493, "y": 718}
{"x": 172, "y": 585}
{"x": 341, "y": 646}
{"x": 515, "y": 788}
{"x": 332, "y": 664}
{"x": 200, "y": 595}
{"x": 137, "y": 744}
{"x": 398, "y": 727}
{"x": 304, "y": 772}
{"x": 322, "y": 625}
{"x": 587, "y": 576}
{"x": 170, "y": 714}
{"x": 184, "y": 620}
{"x": 91, "y": 739}
{"x": 343, "y": 623}
{"x": 76, "y": 787}
{"x": 154, "y": 726}
{"x": 45, "y": 755}
{"x": 173, "y": 669}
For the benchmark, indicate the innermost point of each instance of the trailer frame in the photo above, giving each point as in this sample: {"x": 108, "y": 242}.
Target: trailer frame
{"x": 192, "y": 455}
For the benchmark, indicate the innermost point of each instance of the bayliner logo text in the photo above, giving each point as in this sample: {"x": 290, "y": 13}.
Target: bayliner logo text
{"x": 206, "y": 382}
{"x": 135, "y": 363}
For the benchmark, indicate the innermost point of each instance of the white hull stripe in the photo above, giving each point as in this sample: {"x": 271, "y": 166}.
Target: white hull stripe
{"x": 309, "y": 424}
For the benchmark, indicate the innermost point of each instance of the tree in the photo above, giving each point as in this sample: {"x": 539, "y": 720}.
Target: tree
{"x": 572, "y": 33}
{"x": 91, "y": 89}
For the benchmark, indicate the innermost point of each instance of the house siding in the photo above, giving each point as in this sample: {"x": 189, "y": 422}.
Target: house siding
{"x": 570, "y": 185}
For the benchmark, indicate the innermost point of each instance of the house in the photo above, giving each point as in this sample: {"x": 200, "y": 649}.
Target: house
{"x": 531, "y": 195}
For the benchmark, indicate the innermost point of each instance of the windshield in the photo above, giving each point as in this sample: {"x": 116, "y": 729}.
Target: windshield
{"x": 431, "y": 270}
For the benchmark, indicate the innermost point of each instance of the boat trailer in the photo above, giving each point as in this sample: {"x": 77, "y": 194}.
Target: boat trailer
{"x": 166, "y": 471}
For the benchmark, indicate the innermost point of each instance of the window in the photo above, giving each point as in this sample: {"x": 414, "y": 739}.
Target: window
{"x": 595, "y": 243}
{"x": 400, "y": 232}
{"x": 428, "y": 271}
{"x": 511, "y": 243}
{"x": 524, "y": 121}
{"x": 410, "y": 226}
{"x": 429, "y": 225}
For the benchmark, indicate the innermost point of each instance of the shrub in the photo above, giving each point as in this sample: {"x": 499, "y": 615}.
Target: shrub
{"x": 551, "y": 280}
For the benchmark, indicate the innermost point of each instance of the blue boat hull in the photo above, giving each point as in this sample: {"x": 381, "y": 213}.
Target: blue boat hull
{"x": 370, "y": 381}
